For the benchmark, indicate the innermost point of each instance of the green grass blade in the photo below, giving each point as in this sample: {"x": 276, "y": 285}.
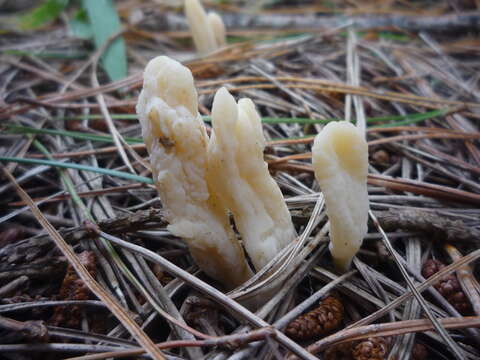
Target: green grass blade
{"x": 73, "y": 134}
{"x": 65, "y": 165}
{"x": 42, "y": 14}
{"x": 397, "y": 119}
{"x": 409, "y": 119}
{"x": 105, "y": 23}
{"x": 67, "y": 182}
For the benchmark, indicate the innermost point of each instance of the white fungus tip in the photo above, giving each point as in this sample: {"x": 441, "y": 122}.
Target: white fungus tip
{"x": 200, "y": 28}
{"x": 218, "y": 28}
{"x": 172, "y": 82}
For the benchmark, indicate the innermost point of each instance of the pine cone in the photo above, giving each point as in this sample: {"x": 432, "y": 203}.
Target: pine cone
{"x": 371, "y": 349}
{"x": 341, "y": 351}
{"x": 376, "y": 348}
{"x": 419, "y": 352}
{"x": 73, "y": 288}
{"x": 318, "y": 322}
{"x": 448, "y": 286}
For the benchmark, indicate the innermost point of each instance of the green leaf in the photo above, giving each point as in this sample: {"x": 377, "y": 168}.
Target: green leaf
{"x": 42, "y": 14}
{"x": 66, "y": 165}
{"x": 80, "y": 26}
{"x": 105, "y": 23}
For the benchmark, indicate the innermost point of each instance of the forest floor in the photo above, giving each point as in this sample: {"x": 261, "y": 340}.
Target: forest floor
{"x": 77, "y": 197}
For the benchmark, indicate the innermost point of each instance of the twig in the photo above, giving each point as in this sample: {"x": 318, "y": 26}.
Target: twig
{"x": 33, "y": 330}
{"x": 234, "y": 341}
{"x": 391, "y": 329}
{"x": 433, "y": 224}
{"x": 12, "y": 286}
{"x": 307, "y": 23}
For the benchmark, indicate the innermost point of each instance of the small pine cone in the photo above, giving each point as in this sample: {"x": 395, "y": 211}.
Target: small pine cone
{"x": 419, "y": 352}
{"x": 318, "y": 322}
{"x": 431, "y": 267}
{"x": 73, "y": 288}
{"x": 342, "y": 351}
{"x": 448, "y": 286}
{"x": 371, "y": 349}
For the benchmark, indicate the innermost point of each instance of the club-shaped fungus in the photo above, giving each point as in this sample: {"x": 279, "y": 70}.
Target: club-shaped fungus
{"x": 340, "y": 161}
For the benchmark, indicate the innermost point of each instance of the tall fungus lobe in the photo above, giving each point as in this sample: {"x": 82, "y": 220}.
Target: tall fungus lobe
{"x": 207, "y": 30}
{"x": 241, "y": 179}
{"x": 176, "y": 139}
{"x": 340, "y": 161}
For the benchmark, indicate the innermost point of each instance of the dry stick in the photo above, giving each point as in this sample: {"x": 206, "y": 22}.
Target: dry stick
{"x": 459, "y": 21}
{"x": 227, "y": 340}
{"x": 328, "y": 86}
{"x": 56, "y": 347}
{"x": 13, "y": 285}
{"x": 35, "y": 330}
{"x": 423, "y": 188}
{"x": 210, "y": 291}
{"x": 48, "y": 303}
{"x": 308, "y": 155}
{"x": 466, "y": 278}
{"x": 440, "y": 329}
{"x": 83, "y": 273}
{"x": 464, "y": 136}
{"x": 392, "y": 329}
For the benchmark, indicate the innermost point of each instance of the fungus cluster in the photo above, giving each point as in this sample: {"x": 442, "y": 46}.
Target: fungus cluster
{"x": 201, "y": 179}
